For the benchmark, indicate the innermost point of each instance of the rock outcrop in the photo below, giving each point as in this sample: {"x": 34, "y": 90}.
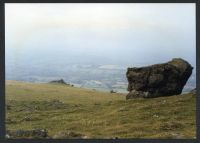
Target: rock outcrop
{"x": 165, "y": 79}
{"x": 61, "y": 81}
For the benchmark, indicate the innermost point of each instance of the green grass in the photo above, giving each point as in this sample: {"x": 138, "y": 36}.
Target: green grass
{"x": 62, "y": 109}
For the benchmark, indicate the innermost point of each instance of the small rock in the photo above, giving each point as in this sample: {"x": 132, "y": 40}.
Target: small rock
{"x": 68, "y": 135}
{"x": 85, "y": 137}
{"x": 7, "y": 136}
{"x": 155, "y": 116}
{"x": 193, "y": 92}
{"x": 164, "y": 101}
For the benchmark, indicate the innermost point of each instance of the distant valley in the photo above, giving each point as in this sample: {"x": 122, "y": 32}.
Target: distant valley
{"x": 92, "y": 76}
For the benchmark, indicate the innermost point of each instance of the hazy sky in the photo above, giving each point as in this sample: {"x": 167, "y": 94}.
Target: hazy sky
{"x": 118, "y": 33}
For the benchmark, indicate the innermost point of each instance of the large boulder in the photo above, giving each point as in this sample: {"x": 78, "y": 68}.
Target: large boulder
{"x": 165, "y": 79}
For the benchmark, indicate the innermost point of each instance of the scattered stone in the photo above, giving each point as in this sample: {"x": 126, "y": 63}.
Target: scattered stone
{"x": 155, "y": 116}
{"x": 171, "y": 126}
{"x": 7, "y": 136}
{"x": 27, "y": 118}
{"x": 85, "y": 137}
{"x": 122, "y": 109}
{"x": 34, "y": 134}
{"x": 69, "y": 135}
{"x": 193, "y": 92}
{"x": 176, "y": 136}
{"x": 30, "y": 118}
{"x": 165, "y": 79}
{"x": 164, "y": 101}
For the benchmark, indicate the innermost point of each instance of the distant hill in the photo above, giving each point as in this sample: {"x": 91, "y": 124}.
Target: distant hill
{"x": 72, "y": 112}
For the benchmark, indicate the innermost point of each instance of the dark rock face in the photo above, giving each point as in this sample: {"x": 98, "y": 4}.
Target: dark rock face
{"x": 158, "y": 80}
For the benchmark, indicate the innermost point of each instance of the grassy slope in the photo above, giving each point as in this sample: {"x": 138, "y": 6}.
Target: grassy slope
{"x": 97, "y": 114}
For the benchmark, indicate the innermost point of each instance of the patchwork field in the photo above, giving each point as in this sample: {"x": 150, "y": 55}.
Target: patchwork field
{"x": 71, "y": 112}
